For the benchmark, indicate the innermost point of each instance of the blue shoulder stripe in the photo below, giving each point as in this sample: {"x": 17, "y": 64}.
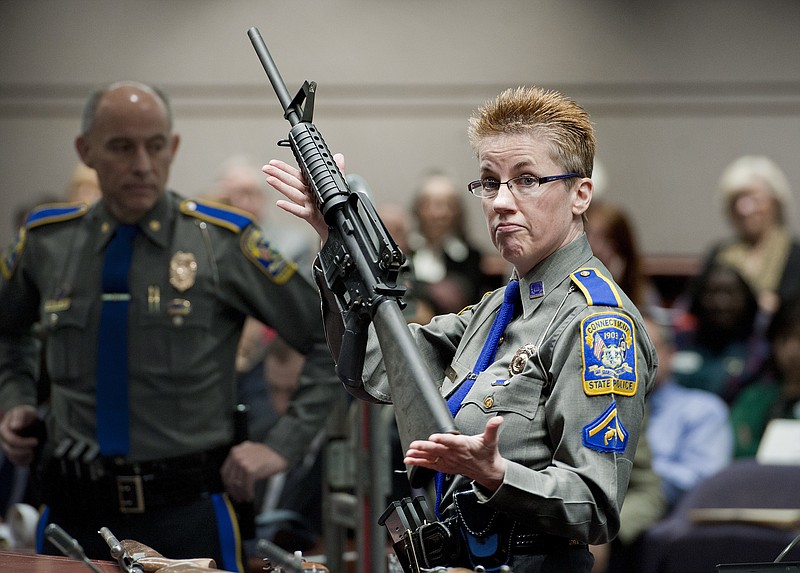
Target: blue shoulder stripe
{"x": 599, "y": 290}
{"x": 55, "y": 212}
{"x": 218, "y": 214}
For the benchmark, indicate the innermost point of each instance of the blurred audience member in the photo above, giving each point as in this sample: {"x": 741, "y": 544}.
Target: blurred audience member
{"x": 418, "y": 308}
{"x": 720, "y": 347}
{"x": 689, "y": 429}
{"x": 757, "y": 199}
{"x": 267, "y": 367}
{"x": 241, "y": 184}
{"x": 83, "y": 186}
{"x": 777, "y": 393}
{"x": 613, "y": 239}
{"x": 441, "y": 254}
{"x": 396, "y": 217}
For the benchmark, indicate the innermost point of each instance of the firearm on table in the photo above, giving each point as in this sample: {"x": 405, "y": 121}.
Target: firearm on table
{"x": 361, "y": 263}
{"x": 135, "y": 557}
{"x": 68, "y": 545}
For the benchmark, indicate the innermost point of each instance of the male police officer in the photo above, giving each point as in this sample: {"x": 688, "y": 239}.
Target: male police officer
{"x": 142, "y": 298}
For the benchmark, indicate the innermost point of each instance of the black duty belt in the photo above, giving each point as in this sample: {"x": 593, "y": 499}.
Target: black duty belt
{"x": 538, "y": 543}
{"x": 444, "y": 544}
{"x": 490, "y": 539}
{"x": 119, "y": 485}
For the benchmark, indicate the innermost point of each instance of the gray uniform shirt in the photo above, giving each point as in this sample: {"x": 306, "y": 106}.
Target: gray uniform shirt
{"x": 554, "y": 482}
{"x": 184, "y": 327}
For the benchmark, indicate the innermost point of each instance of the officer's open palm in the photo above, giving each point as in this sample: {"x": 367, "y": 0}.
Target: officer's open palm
{"x": 476, "y": 457}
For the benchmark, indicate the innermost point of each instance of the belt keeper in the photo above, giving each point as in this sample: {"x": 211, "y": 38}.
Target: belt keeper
{"x": 131, "y": 494}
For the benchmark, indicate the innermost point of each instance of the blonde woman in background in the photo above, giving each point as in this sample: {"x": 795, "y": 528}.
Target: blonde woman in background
{"x": 757, "y": 199}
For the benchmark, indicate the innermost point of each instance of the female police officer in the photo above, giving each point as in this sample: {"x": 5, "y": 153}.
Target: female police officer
{"x": 566, "y": 382}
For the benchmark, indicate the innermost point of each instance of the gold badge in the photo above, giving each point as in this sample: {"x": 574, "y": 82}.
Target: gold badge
{"x": 520, "y": 358}
{"x": 182, "y": 270}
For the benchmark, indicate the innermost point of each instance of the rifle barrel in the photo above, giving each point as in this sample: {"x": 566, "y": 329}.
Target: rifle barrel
{"x": 273, "y": 74}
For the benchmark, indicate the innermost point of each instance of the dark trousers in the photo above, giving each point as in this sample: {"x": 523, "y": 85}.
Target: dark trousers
{"x": 574, "y": 559}
{"x": 201, "y": 528}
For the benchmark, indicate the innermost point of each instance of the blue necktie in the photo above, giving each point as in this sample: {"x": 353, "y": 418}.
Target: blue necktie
{"x": 112, "y": 348}
{"x": 504, "y": 315}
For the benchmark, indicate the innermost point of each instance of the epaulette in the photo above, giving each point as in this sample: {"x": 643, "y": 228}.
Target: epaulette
{"x": 217, "y": 214}
{"x": 54, "y": 213}
{"x": 598, "y": 289}
{"x": 471, "y": 306}
{"x": 39, "y": 216}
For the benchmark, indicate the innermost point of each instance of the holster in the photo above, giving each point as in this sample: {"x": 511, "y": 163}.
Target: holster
{"x": 431, "y": 545}
{"x": 419, "y": 541}
{"x": 473, "y": 536}
{"x": 486, "y": 534}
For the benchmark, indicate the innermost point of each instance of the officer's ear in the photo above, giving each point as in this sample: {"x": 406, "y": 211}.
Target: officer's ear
{"x": 582, "y": 196}
{"x": 174, "y": 142}
{"x": 82, "y": 147}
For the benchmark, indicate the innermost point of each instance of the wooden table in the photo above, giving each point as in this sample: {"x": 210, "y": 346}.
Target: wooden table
{"x": 32, "y": 563}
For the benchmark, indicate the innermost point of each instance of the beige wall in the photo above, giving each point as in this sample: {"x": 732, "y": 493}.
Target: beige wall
{"x": 676, "y": 89}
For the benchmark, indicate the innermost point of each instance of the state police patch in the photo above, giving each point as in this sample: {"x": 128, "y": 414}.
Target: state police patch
{"x": 267, "y": 258}
{"x": 606, "y": 433}
{"x": 609, "y": 354}
{"x": 9, "y": 262}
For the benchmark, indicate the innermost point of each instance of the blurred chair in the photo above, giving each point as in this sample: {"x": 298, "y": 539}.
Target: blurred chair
{"x": 716, "y": 523}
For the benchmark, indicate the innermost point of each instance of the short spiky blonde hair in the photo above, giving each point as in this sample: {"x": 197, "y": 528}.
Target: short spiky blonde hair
{"x": 542, "y": 113}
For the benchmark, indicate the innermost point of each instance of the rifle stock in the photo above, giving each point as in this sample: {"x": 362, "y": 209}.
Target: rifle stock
{"x": 361, "y": 263}
{"x": 135, "y": 557}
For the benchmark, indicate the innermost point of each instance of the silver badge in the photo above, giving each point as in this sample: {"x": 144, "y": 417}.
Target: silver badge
{"x": 520, "y": 358}
{"x": 182, "y": 270}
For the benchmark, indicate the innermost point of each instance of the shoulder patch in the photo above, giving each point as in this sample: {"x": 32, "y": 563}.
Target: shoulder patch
{"x": 268, "y": 259}
{"x": 55, "y": 212}
{"x": 8, "y": 263}
{"x": 231, "y": 218}
{"x": 606, "y": 432}
{"x": 598, "y": 289}
{"x": 608, "y": 354}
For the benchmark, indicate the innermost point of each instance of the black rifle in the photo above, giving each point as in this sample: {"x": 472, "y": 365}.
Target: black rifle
{"x": 361, "y": 262}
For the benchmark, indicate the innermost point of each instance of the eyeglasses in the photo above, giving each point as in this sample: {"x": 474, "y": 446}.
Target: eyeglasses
{"x": 522, "y": 185}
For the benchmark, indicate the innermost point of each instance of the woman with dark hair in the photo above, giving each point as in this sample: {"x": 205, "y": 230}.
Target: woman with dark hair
{"x": 720, "y": 347}
{"x": 613, "y": 239}
{"x": 448, "y": 268}
{"x": 777, "y": 393}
